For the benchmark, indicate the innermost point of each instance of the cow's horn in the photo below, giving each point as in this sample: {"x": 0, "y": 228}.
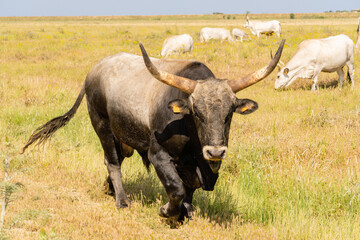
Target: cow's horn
{"x": 184, "y": 84}
{"x": 280, "y": 63}
{"x": 237, "y": 85}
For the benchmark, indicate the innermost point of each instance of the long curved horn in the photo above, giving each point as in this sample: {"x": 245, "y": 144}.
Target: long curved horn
{"x": 280, "y": 63}
{"x": 184, "y": 84}
{"x": 252, "y": 78}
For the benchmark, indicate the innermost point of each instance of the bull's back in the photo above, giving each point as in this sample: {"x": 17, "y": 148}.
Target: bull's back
{"x": 327, "y": 54}
{"x": 267, "y": 26}
{"x": 121, "y": 90}
{"x": 215, "y": 33}
{"x": 335, "y": 52}
{"x": 176, "y": 43}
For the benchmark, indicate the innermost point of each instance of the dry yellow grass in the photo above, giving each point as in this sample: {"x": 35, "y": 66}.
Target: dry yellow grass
{"x": 293, "y": 167}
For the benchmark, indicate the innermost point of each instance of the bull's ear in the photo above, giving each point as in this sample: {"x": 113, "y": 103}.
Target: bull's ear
{"x": 245, "y": 106}
{"x": 179, "y": 106}
{"x": 286, "y": 71}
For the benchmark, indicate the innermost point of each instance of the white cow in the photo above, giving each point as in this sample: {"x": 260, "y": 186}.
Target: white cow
{"x": 215, "y": 33}
{"x": 178, "y": 43}
{"x": 238, "y": 33}
{"x": 319, "y": 55}
{"x": 257, "y": 27}
{"x": 358, "y": 37}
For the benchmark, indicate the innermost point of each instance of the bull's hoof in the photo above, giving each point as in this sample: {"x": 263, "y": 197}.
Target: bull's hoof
{"x": 186, "y": 211}
{"x": 166, "y": 212}
{"x": 124, "y": 203}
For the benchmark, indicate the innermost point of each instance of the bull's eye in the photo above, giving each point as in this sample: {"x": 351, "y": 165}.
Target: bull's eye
{"x": 198, "y": 114}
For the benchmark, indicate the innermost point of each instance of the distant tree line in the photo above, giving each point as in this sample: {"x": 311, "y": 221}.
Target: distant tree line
{"x": 224, "y": 15}
{"x": 354, "y": 10}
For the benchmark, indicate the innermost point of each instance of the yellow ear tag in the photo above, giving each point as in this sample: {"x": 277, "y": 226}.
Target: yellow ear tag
{"x": 244, "y": 109}
{"x": 176, "y": 109}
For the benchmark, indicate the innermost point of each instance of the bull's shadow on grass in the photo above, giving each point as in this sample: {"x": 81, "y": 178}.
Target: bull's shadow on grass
{"x": 221, "y": 205}
{"x": 306, "y": 84}
{"x": 218, "y": 205}
{"x": 147, "y": 188}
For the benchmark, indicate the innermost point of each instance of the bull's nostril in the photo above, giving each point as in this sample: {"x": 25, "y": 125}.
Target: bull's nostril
{"x": 222, "y": 154}
{"x": 209, "y": 153}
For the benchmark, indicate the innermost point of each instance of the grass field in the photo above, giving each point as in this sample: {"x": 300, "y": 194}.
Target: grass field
{"x": 293, "y": 169}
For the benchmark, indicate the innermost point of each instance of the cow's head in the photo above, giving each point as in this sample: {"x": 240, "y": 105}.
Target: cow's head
{"x": 247, "y": 24}
{"x": 211, "y": 104}
{"x": 284, "y": 78}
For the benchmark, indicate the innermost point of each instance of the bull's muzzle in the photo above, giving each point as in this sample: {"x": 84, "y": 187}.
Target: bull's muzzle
{"x": 279, "y": 86}
{"x": 214, "y": 155}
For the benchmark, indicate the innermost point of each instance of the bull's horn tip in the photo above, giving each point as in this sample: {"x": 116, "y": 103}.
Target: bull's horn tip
{"x": 143, "y": 51}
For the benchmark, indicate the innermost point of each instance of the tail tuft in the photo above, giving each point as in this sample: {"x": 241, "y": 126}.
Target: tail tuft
{"x": 46, "y": 131}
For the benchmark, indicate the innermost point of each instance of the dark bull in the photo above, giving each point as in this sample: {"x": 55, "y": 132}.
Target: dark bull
{"x": 180, "y": 127}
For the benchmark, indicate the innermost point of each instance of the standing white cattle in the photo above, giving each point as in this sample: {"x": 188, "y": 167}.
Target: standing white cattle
{"x": 215, "y": 33}
{"x": 238, "y": 33}
{"x": 178, "y": 43}
{"x": 267, "y": 28}
{"x": 319, "y": 55}
{"x": 358, "y": 37}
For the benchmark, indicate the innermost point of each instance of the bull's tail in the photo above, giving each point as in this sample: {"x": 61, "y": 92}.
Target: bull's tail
{"x": 46, "y": 131}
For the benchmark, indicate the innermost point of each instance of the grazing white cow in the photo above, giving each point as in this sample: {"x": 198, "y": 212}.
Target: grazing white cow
{"x": 215, "y": 33}
{"x": 257, "y": 27}
{"x": 178, "y": 43}
{"x": 358, "y": 37}
{"x": 238, "y": 33}
{"x": 319, "y": 55}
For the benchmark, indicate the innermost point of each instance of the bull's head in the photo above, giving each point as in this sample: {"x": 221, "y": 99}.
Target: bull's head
{"x": 211, "y": 103}
{"x": 283, "y": 78}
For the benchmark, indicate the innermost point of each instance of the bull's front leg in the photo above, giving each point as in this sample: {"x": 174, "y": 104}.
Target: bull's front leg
{"x": 186, "y": 206}
{"x": 166, "y": 171}
{"x": 315, "y": 79}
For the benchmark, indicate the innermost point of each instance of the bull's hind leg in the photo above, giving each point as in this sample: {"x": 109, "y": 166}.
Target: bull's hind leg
{"x": 340, "y": 73}
{"x": 112, "y": 156}
{"x": 351, "y": 72}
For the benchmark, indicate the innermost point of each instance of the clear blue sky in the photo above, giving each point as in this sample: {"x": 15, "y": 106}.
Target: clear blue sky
{"x": 166, "y": 7}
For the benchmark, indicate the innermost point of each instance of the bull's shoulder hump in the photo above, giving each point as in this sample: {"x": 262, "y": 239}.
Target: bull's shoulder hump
{"x": 195, "y": 70}
{"x": 186, "y": 68}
